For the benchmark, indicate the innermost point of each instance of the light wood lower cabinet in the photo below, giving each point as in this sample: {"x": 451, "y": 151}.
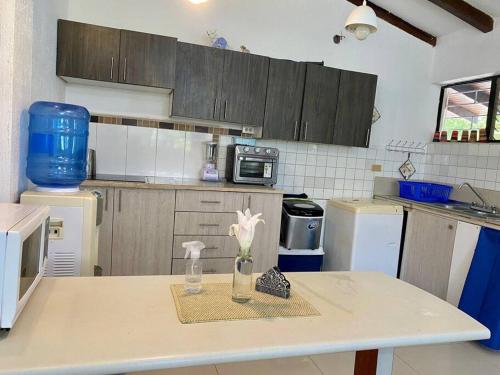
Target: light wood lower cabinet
{"x": 266, "y": 241}
{"x": 105, "y": 229}
{"x": 143, "y": 226}
{"x": 204, "y": 223}
{"x": 212, "y": 265}
{"x": 428, "y": 251}
{"x": 215, "y": 246}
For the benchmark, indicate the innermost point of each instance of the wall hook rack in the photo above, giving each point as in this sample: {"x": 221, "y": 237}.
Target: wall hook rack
{"x": 406, "y": 147}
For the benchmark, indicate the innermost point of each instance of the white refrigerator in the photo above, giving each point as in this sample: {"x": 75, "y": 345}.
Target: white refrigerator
{"x": 362, "y": 235}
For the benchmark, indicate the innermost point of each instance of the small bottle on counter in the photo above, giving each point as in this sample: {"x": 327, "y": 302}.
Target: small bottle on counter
{"x": 194, "y": 267}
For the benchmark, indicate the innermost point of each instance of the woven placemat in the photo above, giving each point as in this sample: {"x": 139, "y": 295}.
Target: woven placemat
{"x": 214, "y": 303}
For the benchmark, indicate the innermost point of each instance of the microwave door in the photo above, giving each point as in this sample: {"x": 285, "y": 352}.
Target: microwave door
{"x": 256, "y": 170}
{"x": 23, "y": 264}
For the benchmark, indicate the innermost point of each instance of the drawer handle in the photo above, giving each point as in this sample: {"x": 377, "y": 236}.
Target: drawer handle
{"x": 211, "y": 202}
{"x": 211, "y": 248}
{"x": 208, "y": 225}
{"x": 211, "y": 270}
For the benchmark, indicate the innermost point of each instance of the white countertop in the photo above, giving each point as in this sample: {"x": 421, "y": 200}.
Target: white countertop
{"x": 109, "y": 325}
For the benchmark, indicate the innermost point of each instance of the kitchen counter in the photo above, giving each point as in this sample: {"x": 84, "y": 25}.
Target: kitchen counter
{"x": 429, "y": 207}
{"x": 163, "y": 183}
{"x": 106, "y": 325}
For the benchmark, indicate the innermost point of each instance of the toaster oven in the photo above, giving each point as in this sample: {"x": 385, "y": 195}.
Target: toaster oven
{"x": 252, "y": 165}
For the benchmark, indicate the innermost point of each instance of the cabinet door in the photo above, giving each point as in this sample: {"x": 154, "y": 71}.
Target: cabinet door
{"x": 285, "y": 90}
{"x": 143, "y": 229}
{"x": 198, "y": 74}
{"x": 105, "y": 229}
{"x": 244, "y": 86}
{"x": 87, "y": 51}
{"x": 266, "y": 241}
{"x": 147, "y": 59}
{"x": 319, "y": 104}
{"x": 355, "y": 109}
{"x": 428, "y": 252}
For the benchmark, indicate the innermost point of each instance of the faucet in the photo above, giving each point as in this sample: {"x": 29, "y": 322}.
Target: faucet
{"x": 484, "y": 207}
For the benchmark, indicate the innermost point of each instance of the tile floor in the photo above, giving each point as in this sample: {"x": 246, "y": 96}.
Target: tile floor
{"x": 450, "y": 359}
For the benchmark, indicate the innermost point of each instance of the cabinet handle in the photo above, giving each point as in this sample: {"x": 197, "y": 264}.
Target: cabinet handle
{"x": 125, "y": 70}
{"x": 120, "y": 201}
{"x": 112, "y": 67}
{"x": 106, "y": 203}
{"x": 211, "y": 202}
{"x": 210, "y": 270}
{"x": 295, "y": 130}
{"x": 208, "y": 225}
{"x": 368, "y": 137}
{"x": 215, "y": 107}
{"x": 450, "y": 227}
{"x": 305, "y": 132}
{"x": 211, "y": 248}
{"x": 225, "y": 108}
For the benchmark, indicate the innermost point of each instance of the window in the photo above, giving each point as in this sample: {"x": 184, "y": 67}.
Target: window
{"x": 472, "y": 106}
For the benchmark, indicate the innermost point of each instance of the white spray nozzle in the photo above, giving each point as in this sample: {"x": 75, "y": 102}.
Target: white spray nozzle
{"x": 193, "y": 249}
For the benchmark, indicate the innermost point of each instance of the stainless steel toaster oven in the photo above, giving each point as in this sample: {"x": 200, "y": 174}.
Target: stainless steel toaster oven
{"x": 252, "y": 165}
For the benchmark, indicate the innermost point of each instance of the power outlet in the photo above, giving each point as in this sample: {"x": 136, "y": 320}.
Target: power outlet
{"x": 248, "y": 130}
{"x": 56, "y": 229}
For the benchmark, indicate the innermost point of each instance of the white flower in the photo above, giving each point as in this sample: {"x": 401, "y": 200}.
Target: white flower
{"x": 245, "y": 229}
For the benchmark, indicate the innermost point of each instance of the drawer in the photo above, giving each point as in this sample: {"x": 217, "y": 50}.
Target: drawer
{"x": 208, "y": 201}
{"x": 213, "y": 265}
{"x": 215, "y": 246}
{"x": 204, "y": 223}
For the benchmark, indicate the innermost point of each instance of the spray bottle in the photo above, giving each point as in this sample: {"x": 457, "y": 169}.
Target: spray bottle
{"x": 193, "y": 266}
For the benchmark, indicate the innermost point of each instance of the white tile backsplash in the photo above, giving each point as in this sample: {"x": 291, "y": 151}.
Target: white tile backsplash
{"x": 455, "y": 163}
{"x": 111, "y": 149}
{"x": 141, "y": 151}
{"x": 170, "y": 153}
{"x": 194, "y": 154}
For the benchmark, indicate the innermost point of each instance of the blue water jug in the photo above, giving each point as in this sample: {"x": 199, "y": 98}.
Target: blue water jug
{"x": 57, "y": 153}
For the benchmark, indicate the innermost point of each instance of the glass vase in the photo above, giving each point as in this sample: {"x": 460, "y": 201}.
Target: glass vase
{"x": 242, "y": 277}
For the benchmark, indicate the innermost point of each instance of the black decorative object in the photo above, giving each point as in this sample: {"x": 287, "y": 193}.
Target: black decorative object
{"x": 273, "y": 282}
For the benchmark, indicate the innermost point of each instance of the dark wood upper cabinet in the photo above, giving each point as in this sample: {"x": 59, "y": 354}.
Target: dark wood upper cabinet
{"x": 320, "y": 103}
{"x": 147, "y": 59}
{"x": 198, "y": 76}
{"x": 244, "y": 85}
{"x": 355, "y": 109}
{"x": 285, "y": 88}
{"x": 87, "y": 51}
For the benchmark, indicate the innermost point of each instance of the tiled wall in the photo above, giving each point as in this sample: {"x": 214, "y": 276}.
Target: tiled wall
{"x": 476, "y": 163}
{"x": 321, "y": 171}
{"x": 327, "y": 171}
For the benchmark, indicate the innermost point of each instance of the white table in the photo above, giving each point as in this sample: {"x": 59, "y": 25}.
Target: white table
{"x": 120, "y": 324}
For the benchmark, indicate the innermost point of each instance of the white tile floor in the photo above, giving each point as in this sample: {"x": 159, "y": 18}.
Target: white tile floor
{"x": 450, "y": 359}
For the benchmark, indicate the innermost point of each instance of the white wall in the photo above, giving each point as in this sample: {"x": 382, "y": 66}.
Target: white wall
{"x": 300, "y": 30}
{"x": 15, "y": 93}
{"x": 45, "y": 84}
{"x": 467, "y": 53}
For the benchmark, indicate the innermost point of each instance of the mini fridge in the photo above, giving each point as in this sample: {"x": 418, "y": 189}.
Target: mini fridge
{"x": 362, "y": 235}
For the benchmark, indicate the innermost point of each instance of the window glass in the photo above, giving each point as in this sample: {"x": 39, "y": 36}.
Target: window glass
{"x": 465, "y": 107}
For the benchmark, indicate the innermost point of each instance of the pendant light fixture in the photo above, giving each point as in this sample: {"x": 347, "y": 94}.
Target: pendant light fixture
{"x": 362, "y": 21}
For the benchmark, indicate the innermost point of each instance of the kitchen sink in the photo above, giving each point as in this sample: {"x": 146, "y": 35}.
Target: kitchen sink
{"x": 466, "y": 209}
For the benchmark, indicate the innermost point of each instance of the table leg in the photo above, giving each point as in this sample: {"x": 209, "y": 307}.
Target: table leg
{"x": 374, "y": 362}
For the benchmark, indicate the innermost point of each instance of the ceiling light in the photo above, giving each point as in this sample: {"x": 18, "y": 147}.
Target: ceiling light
{"x": 197, "y": 1}
{"x": 362, "y": 21}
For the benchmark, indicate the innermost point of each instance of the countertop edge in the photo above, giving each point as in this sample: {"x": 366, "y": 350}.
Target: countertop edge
{"x": 438, "y": 211}
{"x": 226, "y": 187}
{"x": 213, "y": 358}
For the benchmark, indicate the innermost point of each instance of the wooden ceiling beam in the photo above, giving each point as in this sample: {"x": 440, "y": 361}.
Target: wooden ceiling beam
{"x": 467, "y": 13}
{"x": 398, "y": 22}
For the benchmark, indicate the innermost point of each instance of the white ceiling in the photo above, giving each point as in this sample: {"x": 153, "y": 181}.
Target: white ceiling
{"x": 429, "y": 17}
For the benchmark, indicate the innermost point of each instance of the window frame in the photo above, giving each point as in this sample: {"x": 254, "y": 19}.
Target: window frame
{"x": 494, "y": 99}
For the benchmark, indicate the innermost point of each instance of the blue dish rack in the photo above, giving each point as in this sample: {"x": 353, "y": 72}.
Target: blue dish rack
{"x": 424, "y": 191}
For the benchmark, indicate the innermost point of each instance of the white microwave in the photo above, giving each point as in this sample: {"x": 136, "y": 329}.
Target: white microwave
{"x": 23, "y": 248}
